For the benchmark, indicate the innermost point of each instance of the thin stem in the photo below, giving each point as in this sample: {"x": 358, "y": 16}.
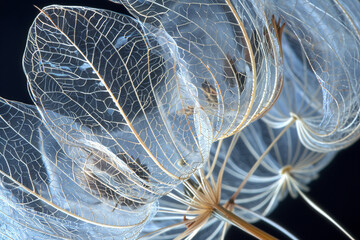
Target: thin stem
{"x": 221, "y": 173}
{"x": 227, "y": 216}
{"x": 212, "y": 167}
{"x": 319, "y": 210}
{"x": 270, "y": 222}
{"x": 223, "y": 233}
{"x": 258, "y": 162}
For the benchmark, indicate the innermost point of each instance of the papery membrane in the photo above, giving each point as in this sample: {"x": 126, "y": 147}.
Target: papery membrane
{"x": 321, "y": 64}
{"x": 232, "y": 52}
{"x": 42, "y": 192}
{"x": 110, "y": 88}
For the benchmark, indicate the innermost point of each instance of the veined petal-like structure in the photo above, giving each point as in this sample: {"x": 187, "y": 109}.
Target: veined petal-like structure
{"x": 321, "y": 90}
{"x": 232, "y": 51}
{"x": 40, "y": 200}
{"x": 108, "y": 90}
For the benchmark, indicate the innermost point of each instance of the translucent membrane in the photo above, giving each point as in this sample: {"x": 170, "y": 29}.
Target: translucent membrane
{"x": 232, "y": 52}
{"x": 108, "y": 91}
{"x": 127, "y": 109}
{"x": 39, "y": 200}
{"x": 321, "y": 46}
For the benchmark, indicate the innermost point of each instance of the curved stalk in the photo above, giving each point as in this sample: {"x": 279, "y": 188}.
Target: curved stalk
{"x": 322, "y": 212}
{"x": 227, "y": 216}
{"x": 270, "y": 222}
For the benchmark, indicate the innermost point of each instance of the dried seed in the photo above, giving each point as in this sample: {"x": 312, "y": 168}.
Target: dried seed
{"x": 102, "y": 162}
{"x": 189, "y": 110}
{"x": 210, "y": 93}
{"x": 232, "y": 76}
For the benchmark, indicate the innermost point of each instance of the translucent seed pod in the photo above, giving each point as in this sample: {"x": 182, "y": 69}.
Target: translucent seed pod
{"x": 321, "y": 45}
{"x": 232, "y": 52}
{"x": 108, "y": 91}
{"x": 39, "y": 200}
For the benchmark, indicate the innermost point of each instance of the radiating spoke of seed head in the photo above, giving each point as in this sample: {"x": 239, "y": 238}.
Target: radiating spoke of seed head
{"x": 233, "y": 54}
{"x": 288, "y": 162}
{"x": 287, "y": 168}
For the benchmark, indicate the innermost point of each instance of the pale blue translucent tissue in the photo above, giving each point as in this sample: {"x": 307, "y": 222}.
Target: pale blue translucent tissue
{"x": 321, "y": 69}
{"x": 221, "y": 44}
{"x": 107, "y": 85}
{"x": 39, "y": 199}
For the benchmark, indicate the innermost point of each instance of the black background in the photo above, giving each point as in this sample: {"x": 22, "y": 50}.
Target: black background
{"x": 336, "y": 191}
